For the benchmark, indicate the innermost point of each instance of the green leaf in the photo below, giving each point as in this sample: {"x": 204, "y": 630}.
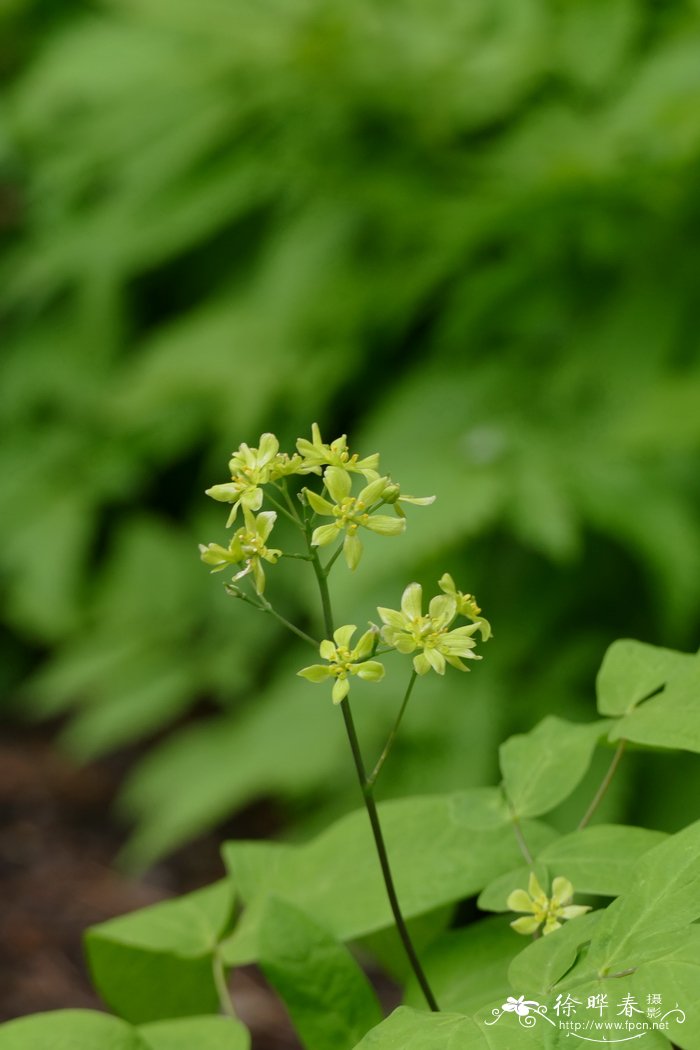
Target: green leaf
{"x": 671, "y": 719}
{"x": 435, "y": 856}
{"x": 601, "y": 859}
{"x": 69, "y": 1030}
{"x": 408, "y": 1029}
{"x": 329, "y": 999}
{"x": 667, "y": 966}
{"x": 157, "y": 962}
{"x": 631, "y": 670}
{"x": 542, "y": 767}
{"x": 468, "y": 968}
{"x": 539, "y": 966}
{"x": 196, "y": 1033}
{"x": 664, "y": 896}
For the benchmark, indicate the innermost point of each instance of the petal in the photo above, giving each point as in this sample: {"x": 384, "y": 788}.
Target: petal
{"x": 338, "y": 482}
{"x": 372, "y": 492}
{"x": 572, "y": 911}
{"x": 447, "y": 584}
{"x": 404, "y": 643}
{"x": 366, "y": 644}
{"x": 327, "y": 650}
{"x": 412, "y": 601}
{"x": 315, "y": 673}
{"x": 442, "y": 610}
{"x": 232, "y": 516}
{"x": 252, "y": 498}
{"x": 264, "y": 523}
{"x": 352, "y": 550}
{"x": 526, "y": 924}
{"x": 267, "y": 449}
{"x": 454, "y": 661}
{"x": 551, "y": 925}
{"x": 319, "y": 504}
{"x": 370, "y": 670}
{"x": 324, "y": 534}
{"x": 435, "y": 659}
{"x": 341, "y": 688}
{"x": 419, "y": 501}
{"x": 385, "y": 525}
{"x": 342, "y": 635}
{"x": 258, "y": 575}
{"x": 225, "y": 493}
{"x": 562, "y": 890}
{"x": 535, "y": 890}
{"x": 369, "y": 465}
{"x": 421, "y": 664}
{"x": 392, "y": 617}
{"x": 520, "y": 900}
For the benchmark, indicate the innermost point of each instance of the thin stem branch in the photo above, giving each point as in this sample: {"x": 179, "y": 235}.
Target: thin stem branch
{"x": 368, "y": 796}
{"x": 394, "y": 731}
{"x": 518, "y": 832}
{"x": 222, "y": 988}
{"x": 331, "y": 561}
{"x": 604, "y": 784}
{"x": 283, "y": 510}
{"x": 262, "y": 605}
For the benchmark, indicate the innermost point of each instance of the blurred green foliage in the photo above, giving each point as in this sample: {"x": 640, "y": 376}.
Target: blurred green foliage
{"x": 468, "y": 233}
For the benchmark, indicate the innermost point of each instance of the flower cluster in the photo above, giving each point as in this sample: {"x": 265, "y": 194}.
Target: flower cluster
{"x": 254, "y": 468}
{"x": 429, "y": 636}
{"x": 540, "y": 908}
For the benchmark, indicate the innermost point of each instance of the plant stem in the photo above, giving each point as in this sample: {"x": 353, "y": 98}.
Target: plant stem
{"x": 370, "y": 804}
{"x": 283, "y": 510}
{"x": 264, "y": 606}
{"x": 604, "y": 784}
{"x": 331, "y": 561}
{"x": 518, "y": 832}
{"x": 394, "y": 730}
{"x": 222, "y": 989}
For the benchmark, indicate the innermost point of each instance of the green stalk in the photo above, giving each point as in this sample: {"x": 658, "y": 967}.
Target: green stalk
{"x": 394, "y": 731}
{"x": 366, "y": 787}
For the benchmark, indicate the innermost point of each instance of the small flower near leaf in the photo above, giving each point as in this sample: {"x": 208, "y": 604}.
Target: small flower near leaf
{"x": 466, "y": 605}
{"x": 409, "y": 630}
{"x": 351, "y": 513}
{"x": 543, "y": 909}
{"x": 343, "y": 661}
{"x": 316, "y": 455}
{"x": 247, "y": 547}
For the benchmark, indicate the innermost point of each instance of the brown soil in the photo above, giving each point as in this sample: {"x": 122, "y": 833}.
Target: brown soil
{"x": 58, "y": 842}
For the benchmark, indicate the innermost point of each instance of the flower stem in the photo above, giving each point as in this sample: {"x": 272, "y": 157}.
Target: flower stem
{"x": 283, "y": 510}
{"x": 604, "y": 784}
{"x": 222, "y": 988}
{"x": 394, "y": 730}
{"x": 370, "y": 803}
{"x": 264, "y": 606}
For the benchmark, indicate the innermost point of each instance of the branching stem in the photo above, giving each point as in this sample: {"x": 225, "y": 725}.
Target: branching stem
{"x": 368, "y": 796}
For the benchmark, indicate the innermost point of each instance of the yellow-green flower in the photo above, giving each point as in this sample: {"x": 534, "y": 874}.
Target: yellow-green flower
{"x": 351, "y": 513}
{"x": 344, "y": 661}
{"x": 408, "y": 630}
{"x": 247, "y": 548}
{"x": 466, "y": 605}
{"x": 543, "y": 909}
{"x": 250, "y": 470}
{"x": 316, "y": 455}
